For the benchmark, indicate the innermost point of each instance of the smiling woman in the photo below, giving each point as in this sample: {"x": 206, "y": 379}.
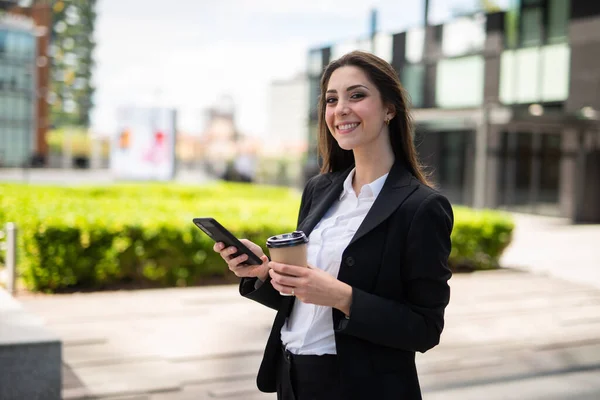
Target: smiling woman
{"x": 361, "y": 88}
{"x": 376, "y": 286}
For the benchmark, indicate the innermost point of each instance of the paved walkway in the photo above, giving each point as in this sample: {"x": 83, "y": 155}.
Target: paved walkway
{"x": 509, "y": 334}
{"x": 554, "y": 247}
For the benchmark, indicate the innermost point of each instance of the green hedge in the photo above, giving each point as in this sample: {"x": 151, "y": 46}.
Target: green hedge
{"x": 92, "y": 237}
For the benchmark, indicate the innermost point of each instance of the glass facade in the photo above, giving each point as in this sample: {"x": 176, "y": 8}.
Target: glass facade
{"x": 445, "y": 153}
{"x": 459, "y": 82}
{"x": 447, "y": 70}
{"x": 413, "y": 78}
{"x": 535, "y": 74}
{"x": 529, "y": 178}
{"x": 17, "y": 85}
{"x": 544, "y": 22}
{"x": 558, "y": 20}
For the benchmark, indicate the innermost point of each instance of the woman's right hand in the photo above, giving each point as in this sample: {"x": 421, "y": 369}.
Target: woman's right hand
{"x": 237, "y": 265}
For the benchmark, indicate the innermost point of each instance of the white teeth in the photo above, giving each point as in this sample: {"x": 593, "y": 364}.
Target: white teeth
{"x": 347, "y": 126}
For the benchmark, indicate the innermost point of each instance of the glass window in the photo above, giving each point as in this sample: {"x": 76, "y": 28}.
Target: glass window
{"x": 452, "y": 164}
{"x": 413, "y": 77}
{"x": 531, "y": 26}
{"x": 12, "y": 44}
{"x": 528, "y": 77}
{"x": 22, "y": 45}
{"x": 550, "y": 156}
{"x": 555, "y": 72}
{"x": 22, "y": 111}
{"x": 441, "y": 11}
{"x": 459, "y": 82}
{"x": 508, "y": 77}
{"x": 524, "y": 158}
{"x": 3, "y": 77}
{"x": 3, "y": 39}
{"x": 511, "y": 26}
{"x": 558, "y": 19}
{"x": 3, "y": 106}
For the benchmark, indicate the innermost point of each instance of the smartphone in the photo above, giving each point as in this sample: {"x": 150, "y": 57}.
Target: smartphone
{"x": 218, "y": 233}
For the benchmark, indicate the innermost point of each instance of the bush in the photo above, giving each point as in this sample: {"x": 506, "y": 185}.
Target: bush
{"x": 479, "y": 238}
{"x": 94, "y": 237}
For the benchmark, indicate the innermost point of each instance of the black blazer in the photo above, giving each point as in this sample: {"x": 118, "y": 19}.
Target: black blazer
{"x": 397, "y": 265}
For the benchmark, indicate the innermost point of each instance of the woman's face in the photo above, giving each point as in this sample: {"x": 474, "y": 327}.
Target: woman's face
{"x": 354, "y": 111}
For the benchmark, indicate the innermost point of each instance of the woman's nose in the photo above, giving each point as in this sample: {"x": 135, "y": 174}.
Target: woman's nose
{"x": 342, "y": 109}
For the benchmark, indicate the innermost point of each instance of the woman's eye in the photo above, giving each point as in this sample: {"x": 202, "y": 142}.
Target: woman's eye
{"x": 330, "y": 100}
{"x": 357, "y": 96}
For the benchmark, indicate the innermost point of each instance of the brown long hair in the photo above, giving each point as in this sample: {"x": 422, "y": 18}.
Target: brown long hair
{"x": 385, "y": 78}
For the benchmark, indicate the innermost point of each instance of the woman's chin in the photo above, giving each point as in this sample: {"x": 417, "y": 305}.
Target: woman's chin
{"x": 345, "y": 145}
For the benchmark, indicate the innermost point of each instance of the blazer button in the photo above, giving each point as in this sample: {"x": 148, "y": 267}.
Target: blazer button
{"x": 350, "y": 261}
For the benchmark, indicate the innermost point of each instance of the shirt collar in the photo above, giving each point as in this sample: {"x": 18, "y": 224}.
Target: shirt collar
{"x": 370, "y": 190}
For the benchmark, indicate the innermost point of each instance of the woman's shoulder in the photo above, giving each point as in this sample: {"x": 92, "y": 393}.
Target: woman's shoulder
{"x": 322, "y": 177}
{"x": 425, "y": 196}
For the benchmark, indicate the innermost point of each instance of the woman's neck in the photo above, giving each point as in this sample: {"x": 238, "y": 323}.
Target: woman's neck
{"x": 370, "y": 166}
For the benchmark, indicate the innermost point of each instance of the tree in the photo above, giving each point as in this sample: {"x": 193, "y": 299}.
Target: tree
{"x": 490, "y": 6}
{"x": 71, "y": 50}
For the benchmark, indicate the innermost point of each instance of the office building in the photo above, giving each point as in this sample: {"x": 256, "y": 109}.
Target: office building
{"x": 24, "y": 75}
{"x": 506, "y": 104}
{"x": 17, "y": 90}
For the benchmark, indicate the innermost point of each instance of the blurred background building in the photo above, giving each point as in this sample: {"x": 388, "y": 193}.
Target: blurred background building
{"x": 45, "y": 75}
{"x": 288, "y": 113}
{"x": 506, "y": 103}
{"x": 24, "y": 77}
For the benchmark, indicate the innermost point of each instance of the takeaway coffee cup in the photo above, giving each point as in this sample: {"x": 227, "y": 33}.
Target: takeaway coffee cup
{"x": 288, "y": 248}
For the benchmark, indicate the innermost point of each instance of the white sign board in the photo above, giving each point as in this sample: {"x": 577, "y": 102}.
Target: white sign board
{"x": 144, "y": 145}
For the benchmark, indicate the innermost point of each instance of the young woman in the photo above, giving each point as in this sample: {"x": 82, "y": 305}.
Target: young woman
{"x": 379, "y": 240}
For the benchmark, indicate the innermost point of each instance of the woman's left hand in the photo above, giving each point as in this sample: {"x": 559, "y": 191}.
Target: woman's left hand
{"x": 311, "y": 285}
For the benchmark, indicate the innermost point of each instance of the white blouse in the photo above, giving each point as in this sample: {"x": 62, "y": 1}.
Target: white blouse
{"x": 309, "y": 328}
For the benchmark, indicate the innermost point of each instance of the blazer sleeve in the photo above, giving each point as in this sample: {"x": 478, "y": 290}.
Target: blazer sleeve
{"x": 265, "y": 293}
{"x": 416, "y": 323}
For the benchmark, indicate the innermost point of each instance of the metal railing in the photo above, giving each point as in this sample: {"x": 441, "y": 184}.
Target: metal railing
{"x": 8, "y": 244}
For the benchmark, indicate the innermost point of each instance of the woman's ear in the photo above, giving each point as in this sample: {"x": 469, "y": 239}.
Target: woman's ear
{"x": 391, "y": 112}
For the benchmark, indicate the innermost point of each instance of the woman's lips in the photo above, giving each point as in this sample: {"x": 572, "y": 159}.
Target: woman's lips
{"x": 347, "y": 127}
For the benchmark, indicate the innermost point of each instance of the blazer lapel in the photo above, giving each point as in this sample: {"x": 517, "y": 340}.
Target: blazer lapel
{"x": 395, "y": 190}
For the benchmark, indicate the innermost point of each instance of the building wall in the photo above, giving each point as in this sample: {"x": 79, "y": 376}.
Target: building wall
{"x": 288, "y": 113}
{"x": 584, "y": 87}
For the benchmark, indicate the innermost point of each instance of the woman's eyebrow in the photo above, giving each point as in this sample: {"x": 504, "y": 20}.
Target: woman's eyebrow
{"x": 349, "y": 88}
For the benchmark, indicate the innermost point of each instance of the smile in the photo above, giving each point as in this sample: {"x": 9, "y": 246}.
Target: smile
{"x": 345, "y": 128}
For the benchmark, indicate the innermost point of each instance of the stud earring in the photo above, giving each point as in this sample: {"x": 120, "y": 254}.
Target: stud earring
{"x": 387, "y": 122}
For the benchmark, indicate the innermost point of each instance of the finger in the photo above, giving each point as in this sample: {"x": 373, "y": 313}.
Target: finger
{"x": 228, "y": 252}
{"x": 287, "y": 269}
{"x": 284, "y": 280}
{"x": 264, "y": 259}
{"x": 235, "y": 262}
{"x": 282, "y": 288}
{"x": 218, "y": 246}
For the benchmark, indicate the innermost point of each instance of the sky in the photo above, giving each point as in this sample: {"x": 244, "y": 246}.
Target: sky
{"x": 188, "y": 54}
